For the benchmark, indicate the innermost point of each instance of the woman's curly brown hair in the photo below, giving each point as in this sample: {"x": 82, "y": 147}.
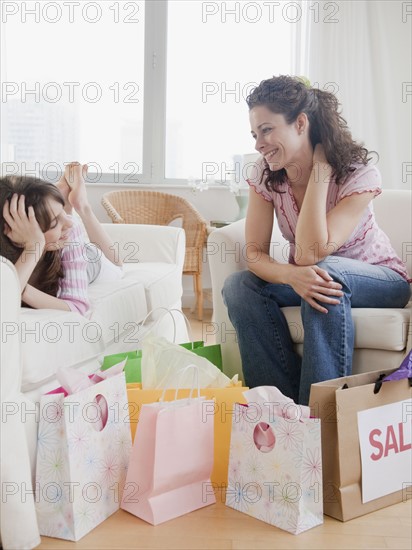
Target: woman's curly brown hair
{"x": 290, "y": 96}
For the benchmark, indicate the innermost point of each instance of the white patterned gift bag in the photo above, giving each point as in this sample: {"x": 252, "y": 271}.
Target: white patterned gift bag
{"x": 275, "y": 463}
{"x": 84, "y": 443}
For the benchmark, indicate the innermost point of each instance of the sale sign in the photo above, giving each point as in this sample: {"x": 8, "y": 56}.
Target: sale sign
{"x": 385, "y": 437}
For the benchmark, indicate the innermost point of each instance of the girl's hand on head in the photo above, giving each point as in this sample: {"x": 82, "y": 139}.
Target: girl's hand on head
{"x": 315, "y": 285}
{"x": 21, "y": 228}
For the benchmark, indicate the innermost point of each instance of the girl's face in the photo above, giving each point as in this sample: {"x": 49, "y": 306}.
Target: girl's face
{"x": 281, "y": 144}
{"x": 58, "y": 233}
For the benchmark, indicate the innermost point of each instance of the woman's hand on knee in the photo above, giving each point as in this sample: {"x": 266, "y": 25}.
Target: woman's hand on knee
{"x": 315, "y": 285}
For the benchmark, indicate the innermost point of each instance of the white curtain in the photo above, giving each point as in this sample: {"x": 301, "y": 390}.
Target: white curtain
{"x": 361, "y": 51}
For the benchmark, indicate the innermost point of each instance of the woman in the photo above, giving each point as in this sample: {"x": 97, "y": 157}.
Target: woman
{"x": 48, "y": 245}
{"x": 319, "y": 183}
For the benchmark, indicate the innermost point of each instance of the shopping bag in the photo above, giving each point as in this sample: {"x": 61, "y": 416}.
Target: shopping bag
{"x": 221, "y": 410}
{"x": 275, "y": 464}
{"x": 132, "y": 367}
{"x": 171, "y": 460}
{"x": 161, "y": 360}
{"x": 82, "y": 457}
{"x": 212, "y": 352}
{"x": 344, "y": 405}
{"x": 134, "y": 358}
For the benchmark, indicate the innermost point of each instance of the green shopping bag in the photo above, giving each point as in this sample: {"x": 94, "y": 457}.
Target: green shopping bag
{"x": 213, "y": 352}
{"x": 133, "y": 367}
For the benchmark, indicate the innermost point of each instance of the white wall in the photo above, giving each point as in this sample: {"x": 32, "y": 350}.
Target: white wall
{"x": 365, "y": 58}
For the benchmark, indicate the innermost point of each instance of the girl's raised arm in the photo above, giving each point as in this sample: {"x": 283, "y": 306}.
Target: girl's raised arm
{"x": 77, "y": 197}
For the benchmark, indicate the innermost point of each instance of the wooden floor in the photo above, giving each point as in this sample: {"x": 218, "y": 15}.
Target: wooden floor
{"x": 220, "y": 527}
{"x": 202, "y": 330}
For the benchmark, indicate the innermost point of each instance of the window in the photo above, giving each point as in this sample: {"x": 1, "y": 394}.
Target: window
{"x": 216, "y": 53}
{"x": 72, "y": 85}
{"x": 142, "y": 91}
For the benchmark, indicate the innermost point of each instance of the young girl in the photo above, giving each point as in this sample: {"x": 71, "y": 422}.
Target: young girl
{"x": 47, "y": 244}
{"x": 319, "y": 183}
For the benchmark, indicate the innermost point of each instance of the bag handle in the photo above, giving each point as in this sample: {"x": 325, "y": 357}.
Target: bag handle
{"x": 178, "y": 387}
{"x": 378, "y": 383}
{"x": 169, "y": 311}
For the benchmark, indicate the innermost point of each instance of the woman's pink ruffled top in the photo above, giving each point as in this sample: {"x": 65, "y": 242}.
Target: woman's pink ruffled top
{"x": 367, "y": 243}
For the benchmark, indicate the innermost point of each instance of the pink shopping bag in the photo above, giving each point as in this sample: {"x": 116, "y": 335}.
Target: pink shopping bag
{"x": 171, "y": 460}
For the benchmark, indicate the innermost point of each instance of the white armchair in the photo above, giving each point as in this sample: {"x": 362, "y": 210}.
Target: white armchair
{"x": 383, "y": 336}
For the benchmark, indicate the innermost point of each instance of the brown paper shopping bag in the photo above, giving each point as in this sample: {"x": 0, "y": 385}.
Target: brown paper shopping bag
{"x": 337, "y": 403}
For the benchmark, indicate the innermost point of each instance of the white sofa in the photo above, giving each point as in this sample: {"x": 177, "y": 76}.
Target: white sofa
{"x": 383, "y": 336}
{"x": 35, "y": 343}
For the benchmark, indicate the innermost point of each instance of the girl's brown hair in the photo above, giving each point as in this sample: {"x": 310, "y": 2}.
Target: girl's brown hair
{"x": 48, "y": 270}
{"x": 291, "y": 96}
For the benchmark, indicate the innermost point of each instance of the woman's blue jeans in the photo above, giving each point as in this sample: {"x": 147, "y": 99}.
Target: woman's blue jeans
{"x": 265, "y": 343}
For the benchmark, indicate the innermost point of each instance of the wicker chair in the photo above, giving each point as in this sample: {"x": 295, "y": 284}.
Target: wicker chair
{"x": 154, "y": 208}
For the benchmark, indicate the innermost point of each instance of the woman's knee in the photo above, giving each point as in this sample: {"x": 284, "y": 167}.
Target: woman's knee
{"x": 337, "y": 269}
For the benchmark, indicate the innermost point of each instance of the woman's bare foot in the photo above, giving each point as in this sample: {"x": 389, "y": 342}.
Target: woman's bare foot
{"x": 74, "y": 176}
{"x": 64, "y": 189}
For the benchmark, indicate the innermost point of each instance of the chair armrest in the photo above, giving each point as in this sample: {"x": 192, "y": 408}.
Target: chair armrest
{"x": 148, "y": 243}
{"x": 17, "y": 504}
{"x": 226, "y": 253}
{"x": 10, "y": 337}
{"x": 111, "y": 211}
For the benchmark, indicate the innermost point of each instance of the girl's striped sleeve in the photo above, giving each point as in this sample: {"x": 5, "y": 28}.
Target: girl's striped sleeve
{"x": 74, "y": 284}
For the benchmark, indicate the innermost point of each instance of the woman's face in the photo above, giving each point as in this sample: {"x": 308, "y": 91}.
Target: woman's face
{"x": 280, "y": 143}
{"x": 58, "y": 233}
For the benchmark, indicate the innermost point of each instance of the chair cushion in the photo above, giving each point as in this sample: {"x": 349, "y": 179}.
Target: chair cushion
{"x": 163, "y": 285}
{"x": 117, "y": 309}
{"x": 384, "y": 329}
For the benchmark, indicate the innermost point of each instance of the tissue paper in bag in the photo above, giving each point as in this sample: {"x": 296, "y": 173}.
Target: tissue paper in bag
{"x": 162, "y": 360}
